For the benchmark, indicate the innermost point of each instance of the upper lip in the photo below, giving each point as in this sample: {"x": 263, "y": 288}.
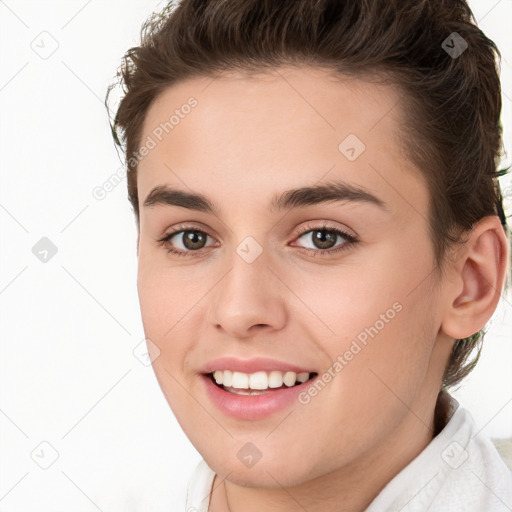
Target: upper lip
{"x": 251, "y": 365}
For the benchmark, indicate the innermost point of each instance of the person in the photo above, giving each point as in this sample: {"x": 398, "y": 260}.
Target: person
{"x": 321, "y": 242}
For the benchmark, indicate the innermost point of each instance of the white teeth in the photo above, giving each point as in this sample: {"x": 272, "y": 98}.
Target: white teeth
{"x": 227, "y": 379}
{"x": 275, "y": 379}
{"x": 240, "y": 380}
{"x": 259, "y": 380}
{"x": 289, "y": 378}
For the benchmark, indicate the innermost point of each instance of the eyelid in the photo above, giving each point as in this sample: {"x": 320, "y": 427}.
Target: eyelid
{"x": 311, "y": 226}
{"x": 185, "y": 227}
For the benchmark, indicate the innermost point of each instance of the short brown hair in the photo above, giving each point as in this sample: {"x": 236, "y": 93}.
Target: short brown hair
{"x": 431, "y": 49}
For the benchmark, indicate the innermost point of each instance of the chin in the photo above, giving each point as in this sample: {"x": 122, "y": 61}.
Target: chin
{"x": 264, "y": 474}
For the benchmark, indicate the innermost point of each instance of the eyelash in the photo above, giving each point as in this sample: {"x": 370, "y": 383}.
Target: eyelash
{"x": 350, "y": 240}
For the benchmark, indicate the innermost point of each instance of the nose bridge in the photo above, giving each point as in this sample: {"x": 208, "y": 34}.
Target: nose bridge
{"x": 249, "y": 293}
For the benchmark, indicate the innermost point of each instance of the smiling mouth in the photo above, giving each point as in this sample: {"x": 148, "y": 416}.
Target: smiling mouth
{"x": 248, "y": 391}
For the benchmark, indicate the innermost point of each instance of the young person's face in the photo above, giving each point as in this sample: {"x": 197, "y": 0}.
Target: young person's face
{"x": 255, "y": 287}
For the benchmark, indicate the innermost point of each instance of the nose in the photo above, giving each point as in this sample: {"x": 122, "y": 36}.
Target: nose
{"x": 248, "y": 298}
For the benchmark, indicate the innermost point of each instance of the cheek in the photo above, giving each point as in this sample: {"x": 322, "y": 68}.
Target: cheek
{"x": 156, "y": 305}
{"x": 378, "y": 364}
{"x": 377, "y": 317}
{"x": 161, "y": 307}
{"x": 161, "y": 310}
{"x": 365, "y": 299}
{"x": 160, "y": 290}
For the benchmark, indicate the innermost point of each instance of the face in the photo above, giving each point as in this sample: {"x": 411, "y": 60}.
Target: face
{"x": 337, "y": 284}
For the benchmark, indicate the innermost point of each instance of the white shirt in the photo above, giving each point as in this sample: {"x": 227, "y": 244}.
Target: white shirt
{"x": 460, "y": 470}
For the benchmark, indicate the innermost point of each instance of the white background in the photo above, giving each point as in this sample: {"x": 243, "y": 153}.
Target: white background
{"x": 69, "y": 376}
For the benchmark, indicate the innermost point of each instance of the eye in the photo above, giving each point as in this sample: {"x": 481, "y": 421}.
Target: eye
{"x": 323, "y": 238}
{"x": 191, "y": 240}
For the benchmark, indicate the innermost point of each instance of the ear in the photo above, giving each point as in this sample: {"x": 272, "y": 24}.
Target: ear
{"x": 476, "y": 279}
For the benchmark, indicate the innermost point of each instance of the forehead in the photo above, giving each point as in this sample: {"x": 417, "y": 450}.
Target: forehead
{"x": 271, "y": 131}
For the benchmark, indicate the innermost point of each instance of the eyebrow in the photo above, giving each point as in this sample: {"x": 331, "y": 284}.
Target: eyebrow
{"x": 294, "y": 198}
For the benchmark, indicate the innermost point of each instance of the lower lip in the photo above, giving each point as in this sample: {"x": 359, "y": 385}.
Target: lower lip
{"x": 252, "y": 407}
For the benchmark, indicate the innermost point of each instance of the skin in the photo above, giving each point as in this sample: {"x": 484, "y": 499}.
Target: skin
{"x": 248, "y": 139}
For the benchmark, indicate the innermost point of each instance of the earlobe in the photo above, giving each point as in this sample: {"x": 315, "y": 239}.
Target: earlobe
{"x": 480, "y": 273}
